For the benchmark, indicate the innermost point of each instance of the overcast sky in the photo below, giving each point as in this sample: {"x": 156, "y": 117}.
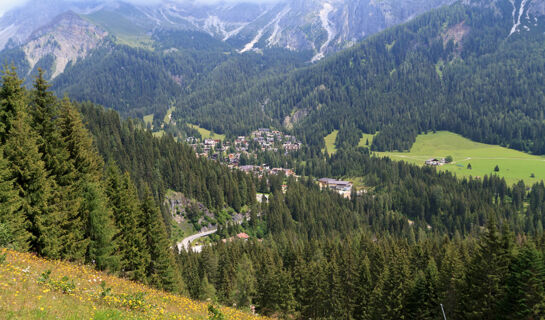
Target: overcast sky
{"x": 6, "y": 5}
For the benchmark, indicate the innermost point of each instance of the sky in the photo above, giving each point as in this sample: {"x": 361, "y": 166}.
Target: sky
{"x": 6, "y": 5}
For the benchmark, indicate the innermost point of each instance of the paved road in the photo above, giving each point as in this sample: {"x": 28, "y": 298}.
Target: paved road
{"x": 186, "y": 242}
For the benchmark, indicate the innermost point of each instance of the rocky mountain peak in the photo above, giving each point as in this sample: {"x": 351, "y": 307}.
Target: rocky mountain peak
{"x": 65, "y": 39}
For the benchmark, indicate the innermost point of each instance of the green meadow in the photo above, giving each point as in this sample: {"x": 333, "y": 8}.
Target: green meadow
{"x": 330, "y": 142}
{"x": 207, "y": 134}
{"x": 513, "y": 165}
{"x": 158, "y": 134}
{"x": 366, "y": 138}
{"x": 168, "y": 115}
{"x": 148, "y": 119}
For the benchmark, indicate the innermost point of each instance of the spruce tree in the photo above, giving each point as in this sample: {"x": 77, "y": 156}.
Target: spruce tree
{"x": 161, "y": 270}
{"x": 100, "y": 228}
{"x": 364, "y": 289}
{"x": 132, "y": 249}
{"x": 487, "y": 273}
{"x": 451, "y": 277}
{"x": 28, "y": 171}
{"x": 44, "y": 112}
{"x": 12, "y": 101}
{"x": 525, "y": 298}
{"x": 13, "y": 222}
{"x": 45, "y": 121}
{"x": 423, "y": 300}
{"x": 79, "y": 143}
{"x": 34, "y": 186}
{"x": 86, "y": 165}
{"x": 208, "y": 292}
{"x": 245, "y": 282}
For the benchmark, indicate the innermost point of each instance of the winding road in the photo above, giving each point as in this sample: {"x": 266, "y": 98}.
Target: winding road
{"x": 186, "y": 242}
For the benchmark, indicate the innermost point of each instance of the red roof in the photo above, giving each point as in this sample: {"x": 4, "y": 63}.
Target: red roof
{"x": 243, "y": 236}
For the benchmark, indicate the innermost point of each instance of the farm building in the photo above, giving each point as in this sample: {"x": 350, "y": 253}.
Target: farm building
{"x": 435, "y": 162}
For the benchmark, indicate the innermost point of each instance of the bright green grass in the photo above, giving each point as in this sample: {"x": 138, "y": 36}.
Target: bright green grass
{"x": 514, "y": 165}
{"x": 207, "y": 134}
{"x": 167, "y": 117}
{"x": 363, "y": 140}
{"x": 159, "y": 134}
{"x": 389, "y": 46}
{"x": 148, "y": 119}
{"x": 330, "y": 142}
{"x": 439, "y": 68}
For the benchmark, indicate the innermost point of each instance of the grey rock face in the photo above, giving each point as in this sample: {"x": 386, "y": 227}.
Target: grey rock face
{"x": 323, "y": 26}
{"x": 67, "y": 38}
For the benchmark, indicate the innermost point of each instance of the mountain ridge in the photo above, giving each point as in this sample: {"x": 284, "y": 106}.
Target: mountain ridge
{"x": 324, "y": 26}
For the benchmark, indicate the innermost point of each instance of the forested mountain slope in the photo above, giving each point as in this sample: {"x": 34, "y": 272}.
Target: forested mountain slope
{"x": 137, "y": 82}
{"x": 109, "y": 52}
{"x": 460, "y": 68}
{"x": 58, "y": 200}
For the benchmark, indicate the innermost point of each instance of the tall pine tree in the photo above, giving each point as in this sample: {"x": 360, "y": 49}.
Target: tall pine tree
{"x": 13, "y": 223}
{"x": 161, "y": 270}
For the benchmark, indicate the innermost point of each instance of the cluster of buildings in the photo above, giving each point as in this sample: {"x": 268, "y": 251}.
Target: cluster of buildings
{"x": 230, "y": 152}
{"x": 264, "y": 169}
{"x": 273, "y": 140}
{"x": 344, "y": 188}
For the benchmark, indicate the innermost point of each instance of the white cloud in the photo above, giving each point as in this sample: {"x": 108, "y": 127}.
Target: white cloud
{"x": 199, "y": 2}
{"x": 6, "y": 5}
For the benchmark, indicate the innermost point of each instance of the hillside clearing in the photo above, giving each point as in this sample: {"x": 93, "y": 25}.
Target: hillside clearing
{"x": 159, "y": 134}
{"x": 168, "y": 115}
{"x": 330, "y": 142}
{"x": 367, "y": 137}
{"x": 207, "y": 134}
{"x": 148, "y": 119}
{"x": 514, "y": 165}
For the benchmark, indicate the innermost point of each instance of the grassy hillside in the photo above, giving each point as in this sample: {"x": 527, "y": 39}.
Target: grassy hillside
{"x": 207, "y": 134}
{"x": 148, "y": 119}
{"x": 330, "y": 142}
{"x": 34, "y": 288}
{"x": 366, "y": 138}
{"x": 168, "y": 115}
{"x": 514, "y": 165}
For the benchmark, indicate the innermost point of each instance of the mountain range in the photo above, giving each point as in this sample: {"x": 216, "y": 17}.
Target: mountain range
{"x": 182, "y": 121}
{"x": 319, "y": 26}
{"x": 253, "y": 62}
